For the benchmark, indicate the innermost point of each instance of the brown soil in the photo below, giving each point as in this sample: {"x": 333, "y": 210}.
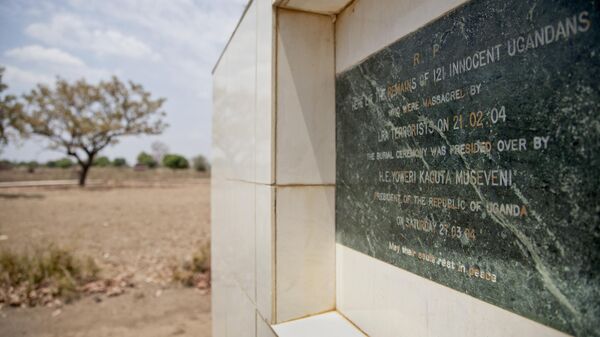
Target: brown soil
{"x": 141, "y": 230}
{"x": 99, "y": 174}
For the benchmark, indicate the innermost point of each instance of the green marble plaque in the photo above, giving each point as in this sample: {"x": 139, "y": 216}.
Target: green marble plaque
{"x": 468, "y": 152}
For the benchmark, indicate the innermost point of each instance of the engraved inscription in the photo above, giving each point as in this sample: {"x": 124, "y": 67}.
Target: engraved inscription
{"x": 468, "y": 152}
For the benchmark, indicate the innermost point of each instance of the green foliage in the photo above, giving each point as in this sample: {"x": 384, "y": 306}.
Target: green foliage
{"x": 201, "y": 164}
{"x": 82, "y": 118}
{"x": 6, "y": 164}
{"x": 146, "y": 159}
{"x": 60, "y": 163}
{"x": 102, "y": 161}
{"x": 119, "y": 162}
{"x": 10, "y": 113}
{"x": 30, "y": 164}
{"x": 64, "y": 163}
{"x": 175, "y": 161}
{"x": 53, "y": 271}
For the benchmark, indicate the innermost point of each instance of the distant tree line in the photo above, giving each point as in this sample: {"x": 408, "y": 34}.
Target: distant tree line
{"x": 65, "y": 162}
{"x": 172, "y": 161}
{"x": 160, "y": 155}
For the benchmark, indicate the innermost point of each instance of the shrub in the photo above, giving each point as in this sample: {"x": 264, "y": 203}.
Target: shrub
{"x": 31, "y": 166}
{"x": 194, "y": 271}
{"x": 201, "y": 164}
{"x": 175, "y": 161}
{"x": 102, "y": 161}
{"x": 147, "y": 160}
{"x": 60, "y": 163}
{"x": 45, "y": 274}
{"x": 6, "y": 164}
{"x": 119, "y": 162}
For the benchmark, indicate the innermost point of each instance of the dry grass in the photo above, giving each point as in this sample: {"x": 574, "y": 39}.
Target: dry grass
{"x": 140, "y": 230}
{"x": 40, "y": 277}
{"x": 195, "y": 270}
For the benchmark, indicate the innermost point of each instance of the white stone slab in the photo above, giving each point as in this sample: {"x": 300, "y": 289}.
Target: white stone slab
{"x": 305, "y": 248}
{"x": 386, "y": 301}
{"x": 330, "y": 324}
{"x": 367, "y": 26}
{"x": 305, "y": 99}
{"x": 315, "y": 6}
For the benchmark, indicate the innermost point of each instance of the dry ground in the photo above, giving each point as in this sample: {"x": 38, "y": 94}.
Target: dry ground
{"x": 137, "y": 228}
{"x": 99, "y": 174}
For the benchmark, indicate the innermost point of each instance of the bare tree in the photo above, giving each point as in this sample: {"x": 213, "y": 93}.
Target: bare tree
{"x": 159, "y": 150}
{"x": 82, "y": 119}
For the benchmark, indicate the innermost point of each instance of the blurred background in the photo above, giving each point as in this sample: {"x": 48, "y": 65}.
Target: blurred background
{"x": 105, "y": 121}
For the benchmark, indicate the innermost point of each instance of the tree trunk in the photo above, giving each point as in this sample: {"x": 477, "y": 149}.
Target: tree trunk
{"x": 83, "y": 174}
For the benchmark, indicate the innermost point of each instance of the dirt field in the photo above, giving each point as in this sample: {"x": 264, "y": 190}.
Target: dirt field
{"x": 100, "y": 174}
{"x": 140, "y": 230}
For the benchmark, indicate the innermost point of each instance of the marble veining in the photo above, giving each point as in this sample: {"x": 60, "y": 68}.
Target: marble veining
{"x": 467, "y": 153}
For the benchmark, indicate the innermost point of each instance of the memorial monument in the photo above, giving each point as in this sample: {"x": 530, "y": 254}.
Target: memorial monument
{"x": 462, "y": 140}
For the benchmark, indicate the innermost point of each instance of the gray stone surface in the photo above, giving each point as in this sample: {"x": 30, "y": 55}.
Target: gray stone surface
{"x": 468, "y": 153}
